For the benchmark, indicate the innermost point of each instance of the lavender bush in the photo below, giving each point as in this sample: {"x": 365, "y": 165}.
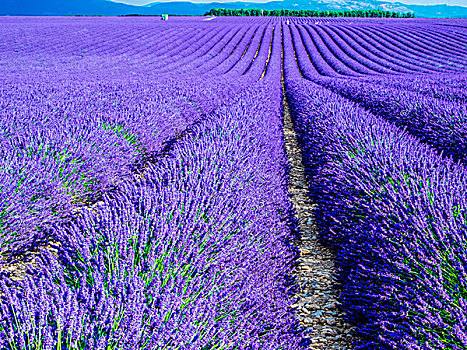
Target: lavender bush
{"x": 151, "y": 154}
{"x": 195, "y": 256}
{"x": 395, "y": 212}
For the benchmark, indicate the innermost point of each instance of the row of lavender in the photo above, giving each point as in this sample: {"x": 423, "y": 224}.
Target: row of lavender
{"x": 358, "y": 50}
{"x": 431, "y": 107}
{"x": 193, "y": 252}
{"x": 65, "y": 142}
{"x": 393, "y": 208}
{"x": 195, "y": 256}
{"x": 436, "y": 121}
{"x": 115, "y": 49}
{"x": 451, "y": 87}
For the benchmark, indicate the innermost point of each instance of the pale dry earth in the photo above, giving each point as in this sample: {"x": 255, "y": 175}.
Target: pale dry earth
{"x": 317, "y": 308}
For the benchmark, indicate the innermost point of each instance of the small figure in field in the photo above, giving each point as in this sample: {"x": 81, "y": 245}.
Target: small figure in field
{"x": 287, "y": 22}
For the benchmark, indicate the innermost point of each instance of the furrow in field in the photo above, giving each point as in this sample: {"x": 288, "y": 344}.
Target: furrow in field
{"x": 269, "y": 54}
{"x": 317, "y": 306}
{"x": 342, "y": 55}
{"x": 362, "y": 56}
{"x": 261, "y": 47}
{"x": 380, "y": 51}
{"x": 442, "y": 55}
{"x": 413, "y": 54}
{"x": 327, "y": 54}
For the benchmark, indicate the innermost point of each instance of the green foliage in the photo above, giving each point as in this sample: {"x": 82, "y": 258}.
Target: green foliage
{"x": 307, "y": 13}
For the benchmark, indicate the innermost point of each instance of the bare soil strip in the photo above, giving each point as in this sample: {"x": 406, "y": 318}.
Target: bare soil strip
{"x": 317, "y": 309}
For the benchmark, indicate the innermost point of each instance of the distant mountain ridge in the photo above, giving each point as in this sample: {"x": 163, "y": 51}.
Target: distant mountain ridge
{"x": 109, "y": 8}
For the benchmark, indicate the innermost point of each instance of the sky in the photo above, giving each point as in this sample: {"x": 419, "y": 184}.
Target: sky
{"x": 409, "y": 2}
{"x": 145, "y": 2}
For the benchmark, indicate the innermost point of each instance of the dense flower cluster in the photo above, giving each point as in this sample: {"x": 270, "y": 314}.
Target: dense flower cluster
{"x": 439, "y": 122}
{"x": 394, "y": 209}
{"x": 195, "y": 255}
{"x": 191, "y": 248}
{"x": 151, "y": 152}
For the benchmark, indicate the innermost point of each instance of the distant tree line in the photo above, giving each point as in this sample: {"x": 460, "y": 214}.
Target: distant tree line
{"x": 308, "y": 13}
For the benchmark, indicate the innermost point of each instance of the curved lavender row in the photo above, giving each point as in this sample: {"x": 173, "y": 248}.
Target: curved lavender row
{"x": 181, "y": 45}
{"x": 396, "y": 214}
{"x": 272, "y": 68}
{"x": 145, "y": 45}
{"x": 447, "y": 87}
{"x": 148, "y": 56}
{"x": 267, "y": 64}
{"x": 214, "y": 66}
{"x": 189, "y": 46}
{"x": 443, "y": 56}
{"x": 456, "y": 35}
{"x": 393, "y": 50}
{"x": 247, "y": 55}
{"x": 235, "y": 53}
{"x": 174, "y": 58}
{"x": 88, "y": 38}
{"x": 440, "y": 40}
{"x": 402, "y": 49}
{"x": 338, "y": 51}
{"x": 195, "y": 256}
{"x": 146, "y": 51}
{"x": 366, "y": 58}
{"x": 429, "y": 42}
{"x": 414, "y": 51}
{"x": 258, "y": 62}
{"x": 195, "y": 51}
{"x": 308, "y": 66}
{"x": 315, "y": 63}
{"x": 236, "y": 64}
{"x": 339, "y": 59}
{"x": 205, "y": 65}
{"x": 440, "y": 123}
{"x": 320, "y": 49}
{"x": 289, "y": 50}
{"x": 381, "y": 51}
{"x": 76, "y": 140}
{"x": 134, "y": 40}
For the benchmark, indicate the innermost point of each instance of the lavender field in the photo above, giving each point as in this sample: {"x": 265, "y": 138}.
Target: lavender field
{"x": 144, "y": 180}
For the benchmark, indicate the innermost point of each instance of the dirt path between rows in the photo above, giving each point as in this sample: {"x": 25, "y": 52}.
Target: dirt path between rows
{"x": 317, "y": 309}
